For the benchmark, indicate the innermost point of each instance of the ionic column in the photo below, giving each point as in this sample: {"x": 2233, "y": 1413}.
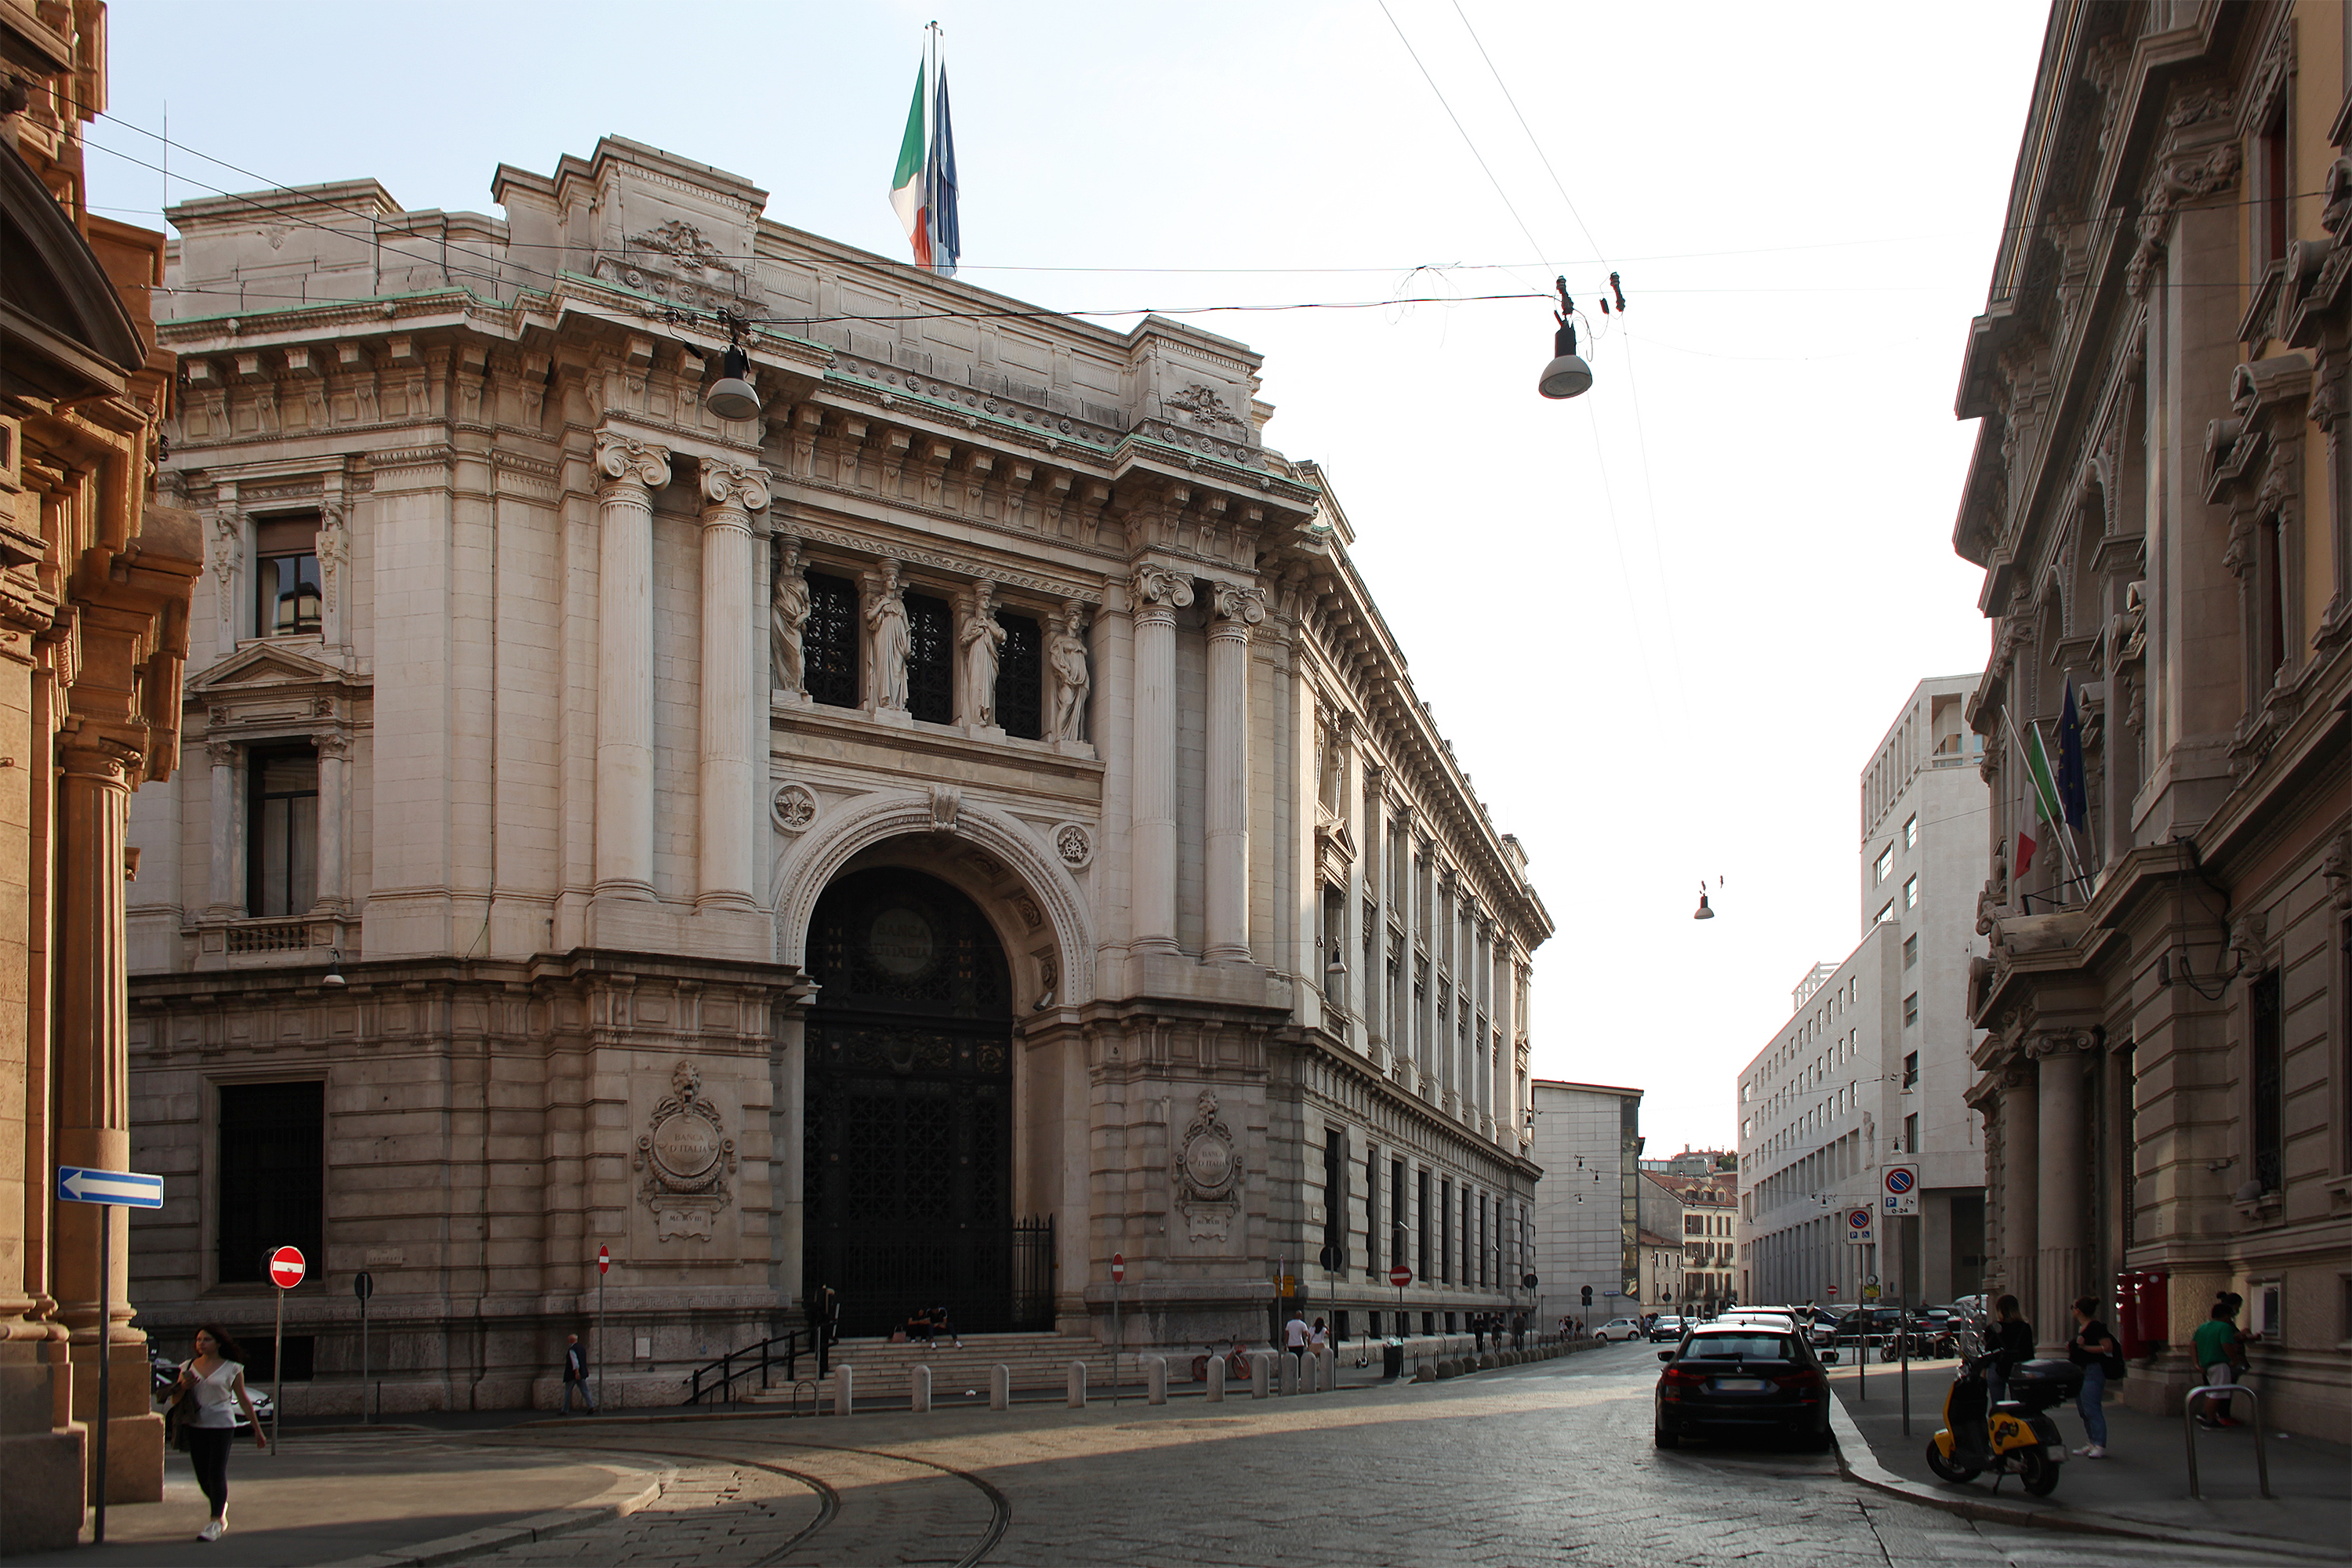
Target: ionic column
{"x": 730, "y": 659}
{"x": 633, "y": 470}
{"x": 2061, "y": 1214}
{"x": 225, "y": 899}
{"x": 2020, "y": 1120}
{"x": 334, "y": 770}
{"x": 1157, "y": 594}
{"x": 90, "y": 1044}
{"x": 1227, "y": 870}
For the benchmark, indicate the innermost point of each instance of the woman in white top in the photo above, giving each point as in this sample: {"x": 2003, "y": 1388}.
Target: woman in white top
{"x": 210, "y": 1390}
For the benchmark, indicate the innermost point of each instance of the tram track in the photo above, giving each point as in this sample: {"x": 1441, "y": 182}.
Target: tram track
{"x": 830, "y": 1505}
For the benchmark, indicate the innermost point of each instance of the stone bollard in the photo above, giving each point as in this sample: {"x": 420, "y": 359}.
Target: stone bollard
{"x": 1332, "y": 1368}
{"x": 1077, "y": 1385}
{"x": 1217, "y": 1380}
{"x": 844, "y": 1403}
{"x": 919, "y": 1401}
{"x": 1260, "y": 1373}
{"x": 1000, "y": 1386}
{"x": 1155, "y": 1380}
{"x": 1424, "y": 1373}
{"x": 1311, "y": 1373}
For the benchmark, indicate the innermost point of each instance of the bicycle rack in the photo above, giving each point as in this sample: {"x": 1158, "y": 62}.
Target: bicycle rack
{"x": 2189, "y": 1423}
{"x": 805, "y": 1383}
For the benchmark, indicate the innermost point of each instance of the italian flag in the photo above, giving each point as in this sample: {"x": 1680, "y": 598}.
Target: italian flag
{"x": 907, "y": 184}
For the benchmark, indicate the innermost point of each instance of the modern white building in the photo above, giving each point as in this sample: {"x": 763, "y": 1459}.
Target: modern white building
{"x": 1870, "y": 1068}
{"x": 1587, "y": 1139}
{"x": 917, "y": 825}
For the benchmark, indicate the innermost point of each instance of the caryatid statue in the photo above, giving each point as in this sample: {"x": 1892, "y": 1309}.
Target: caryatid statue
{"x": 982, "y": 637}
{"x": 888, "y": 641}
{"x": 788, "y": 613}
{"x": 1072, "y": 677}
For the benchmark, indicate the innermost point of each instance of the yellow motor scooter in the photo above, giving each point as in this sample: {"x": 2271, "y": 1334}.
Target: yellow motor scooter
{"x": 2014, "y": 1437}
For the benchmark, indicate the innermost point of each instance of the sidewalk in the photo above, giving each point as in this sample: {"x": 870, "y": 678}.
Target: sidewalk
{"x": 2141, "y": 1490}
{"x": 332, "y": 1495}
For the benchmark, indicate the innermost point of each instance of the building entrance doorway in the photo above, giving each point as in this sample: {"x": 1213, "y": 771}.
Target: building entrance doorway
{"x": 906, "y": 1146}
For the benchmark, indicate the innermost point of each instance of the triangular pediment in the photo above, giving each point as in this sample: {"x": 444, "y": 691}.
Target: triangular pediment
{"x": 265, "y": 665}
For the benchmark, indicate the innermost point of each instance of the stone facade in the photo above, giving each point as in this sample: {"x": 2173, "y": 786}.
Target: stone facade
{"x": 1873, "y": 1068}
{"x": 550, "y": 721}
{"x": 2159, "y": 501}
{"x": 94, "y": 588}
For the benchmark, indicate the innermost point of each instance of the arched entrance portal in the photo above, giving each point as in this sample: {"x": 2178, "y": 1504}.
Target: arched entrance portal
{"x": 907, "y": 1148}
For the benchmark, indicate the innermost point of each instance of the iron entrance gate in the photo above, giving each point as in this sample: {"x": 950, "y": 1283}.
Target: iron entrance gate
{"x": 906, "y": 1147}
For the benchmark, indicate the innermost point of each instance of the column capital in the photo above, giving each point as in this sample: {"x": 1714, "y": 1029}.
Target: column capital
{"x": 1158, "y": 591}
{"x": 734, "y": 487}
{"x": 334, "y": 744}
{"x": 626, "y": 459}
{"x": 99, "y": 757}
{"x": 1237, "y": 609}
{"x": 2061, "y": 1042}
{"x": 221, "y": 753}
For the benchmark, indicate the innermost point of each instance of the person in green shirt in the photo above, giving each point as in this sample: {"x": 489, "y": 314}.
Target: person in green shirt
{"x": 2215, "y": 1344}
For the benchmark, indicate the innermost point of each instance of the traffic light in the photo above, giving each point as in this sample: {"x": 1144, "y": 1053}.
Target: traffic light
{"x": 1588, "y": 1295}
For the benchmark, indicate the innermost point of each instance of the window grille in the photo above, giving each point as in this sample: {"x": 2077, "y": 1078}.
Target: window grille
{"x": 829, "y": 642}
{"x": 931, "y": 660}
{"x": 1020, "y": 678}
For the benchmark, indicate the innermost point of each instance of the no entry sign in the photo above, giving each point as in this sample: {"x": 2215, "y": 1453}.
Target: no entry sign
{"x": 604, "y": 1260}
{"x": 285, "y": 1267}
{"x": 1399, "y": 1277}
{"x": 1117, "y": 1266}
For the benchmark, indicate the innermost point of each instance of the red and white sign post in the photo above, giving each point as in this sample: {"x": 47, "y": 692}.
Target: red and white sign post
{"x": 286, "y": 1271}
{"x": 604, "y": 1266}
{"x": 1399, "y": 1277}
{"x": 1118, "y": 1275}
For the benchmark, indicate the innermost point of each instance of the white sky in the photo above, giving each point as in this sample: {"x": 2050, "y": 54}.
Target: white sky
{"x": 1664, "y": 631}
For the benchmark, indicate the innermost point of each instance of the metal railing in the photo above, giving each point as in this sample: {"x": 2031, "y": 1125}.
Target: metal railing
{"x": 2189, "y": 1424}
{"x": 778, "y": 1350}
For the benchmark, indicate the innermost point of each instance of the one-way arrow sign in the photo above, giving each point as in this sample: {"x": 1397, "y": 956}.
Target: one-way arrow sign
{"x": 129, "y": 1189}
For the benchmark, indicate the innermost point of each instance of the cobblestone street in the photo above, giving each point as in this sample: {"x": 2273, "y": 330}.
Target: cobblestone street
{"x": 1548, "y": 1463}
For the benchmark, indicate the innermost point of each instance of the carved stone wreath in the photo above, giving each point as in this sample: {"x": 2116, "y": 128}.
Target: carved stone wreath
{"x": 687, "y": 1157}
{"x": 793, "y": 808}
{"x": 1074, "y": 844}
{"x": 1208, "y": 1175}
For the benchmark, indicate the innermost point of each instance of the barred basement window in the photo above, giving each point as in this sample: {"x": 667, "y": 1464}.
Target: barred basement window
{"x": 1021, "y": 678}
{"x": 271, "y": 1141}
{"x": 829, "y": 641}
{"x": 931, "y": 660}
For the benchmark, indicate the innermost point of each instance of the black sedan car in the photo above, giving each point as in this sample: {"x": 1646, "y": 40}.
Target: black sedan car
{"x": 1729, "y": 1378}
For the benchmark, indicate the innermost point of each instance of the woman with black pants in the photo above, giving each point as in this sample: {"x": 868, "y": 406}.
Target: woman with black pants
{"x": 210, "y": 1389}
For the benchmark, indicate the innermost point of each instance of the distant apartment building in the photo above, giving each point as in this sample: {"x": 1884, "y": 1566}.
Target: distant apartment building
{"x": 1709, "y": 1234}
{"x": 1588, "y": 1205}
{"x": 1871, "y": 1067}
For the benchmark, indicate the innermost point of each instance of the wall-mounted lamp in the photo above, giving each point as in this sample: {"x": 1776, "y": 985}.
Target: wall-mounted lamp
{"x": 334, "y": 976}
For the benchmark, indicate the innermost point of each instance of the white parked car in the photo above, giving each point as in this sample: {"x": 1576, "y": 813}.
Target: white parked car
{"x": 1620, "y": 1329}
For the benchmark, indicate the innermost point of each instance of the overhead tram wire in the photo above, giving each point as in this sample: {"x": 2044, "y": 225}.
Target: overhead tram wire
{"x": 1598, "y": 254}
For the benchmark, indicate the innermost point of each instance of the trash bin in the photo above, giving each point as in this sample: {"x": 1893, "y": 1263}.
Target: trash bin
{"x": 1393, "y": 1358}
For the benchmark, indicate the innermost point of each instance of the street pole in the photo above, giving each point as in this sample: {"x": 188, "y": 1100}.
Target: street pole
{"x": 105, "y": 1360}
{"x": 1901, "y": 1301}
{"x": 1862, "y": 1329}
{"x": 277, "y": 1375}
{"x": 1116, "y": 1338}
{"x": 600, "y": 1341}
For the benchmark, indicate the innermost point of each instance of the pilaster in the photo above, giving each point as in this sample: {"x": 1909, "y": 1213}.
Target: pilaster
{"x": 1157, "y": 593}
{"x": 1237, "y": 610}
{"x": 732, "y": 492}
{"x": 633, "y": 470}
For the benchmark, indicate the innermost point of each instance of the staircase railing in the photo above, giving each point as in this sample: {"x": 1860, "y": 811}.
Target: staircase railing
{"x": 715, "y": 1382}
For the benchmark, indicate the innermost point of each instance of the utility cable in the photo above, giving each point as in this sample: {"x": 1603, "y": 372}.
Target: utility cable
{"x": 1540, "y": 153}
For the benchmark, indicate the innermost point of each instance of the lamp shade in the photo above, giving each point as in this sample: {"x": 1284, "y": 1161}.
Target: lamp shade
{"x": 732, "y": 395}
{"x": 1567, "y": 375}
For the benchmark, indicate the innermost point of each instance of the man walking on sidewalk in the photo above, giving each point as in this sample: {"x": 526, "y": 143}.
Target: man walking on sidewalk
{"x": 2216, "y": 1345}
{"x": 2093, "y": 1350}
{"x": 575, "y": 1374}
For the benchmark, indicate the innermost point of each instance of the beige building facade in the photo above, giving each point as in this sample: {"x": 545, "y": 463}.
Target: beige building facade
{"x": 958, "y": 821}
{"x": 2159, "y": 501}
{"x": 94, "y": 589}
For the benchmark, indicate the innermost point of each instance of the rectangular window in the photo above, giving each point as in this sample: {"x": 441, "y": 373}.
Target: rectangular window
{"x": 1911, "y": 1009}
{"x": 1911, "y": 892}
{"x": 1885, "y": 865}
{"x": 282, "y": 812}
{"x": 1021, "y": 678}
{"x": 271, "y": 1141}
{"x": 1445, "y": 1231}
{"x": 1911, "y": 951}
{"x": 2269, "y": 1107}
{"x": 1911, "y": 833}
{"x": 829, "y": 642}
{"x": 285, "y": 580}
{"x": 931, "y": 660}
{"x": 1885, "y": 914}
{"x": 1396, "y": 1211}
{"x": 1911, "y": 1070}
{"x": 1911, "y": 1133}
{"x": 1372, "y": 1213}
{"x": 1469, "y": 1241}
{"x": 1421, "y": 1217}
{"x": 1335, "y": 1197}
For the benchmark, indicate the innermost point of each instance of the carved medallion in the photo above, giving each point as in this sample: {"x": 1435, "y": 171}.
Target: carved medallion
{"x": 1072, "y": 844}
{"x": 687, "y": 1157}
{"x": 792, "y": 807}
{"x": 1208, "y": 1175}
